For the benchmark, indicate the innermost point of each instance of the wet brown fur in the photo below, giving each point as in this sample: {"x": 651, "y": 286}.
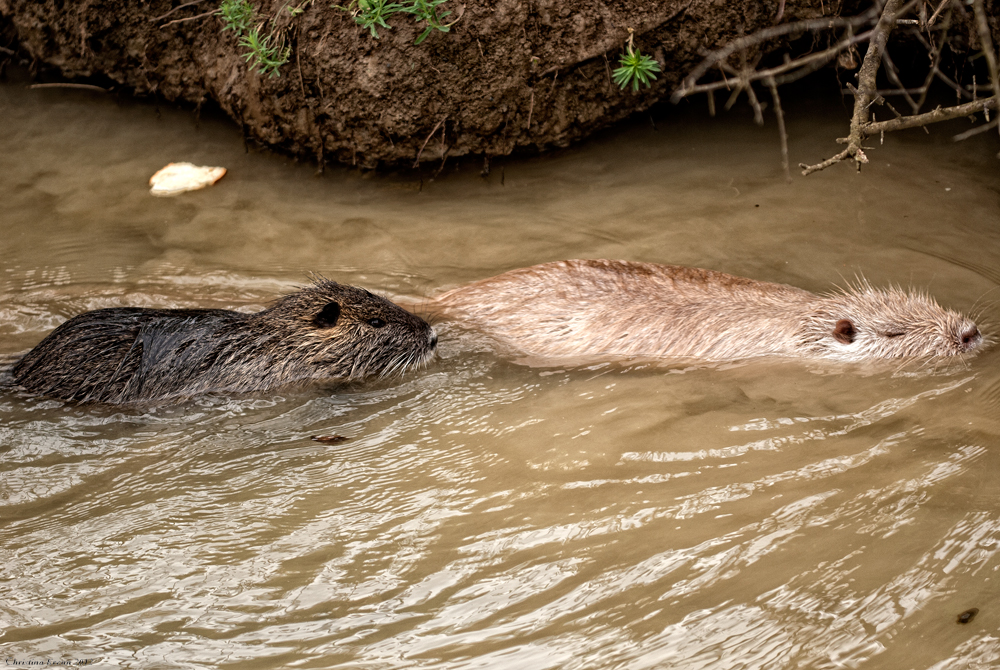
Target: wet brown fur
{"x": 612, "y": 308}
{"x": 327, "y": 331}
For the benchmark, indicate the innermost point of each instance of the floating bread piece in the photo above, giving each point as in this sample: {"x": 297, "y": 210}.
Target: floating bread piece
{"x": 179, "y": 177}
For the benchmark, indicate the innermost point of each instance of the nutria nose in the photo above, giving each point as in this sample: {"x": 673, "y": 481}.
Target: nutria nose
{"x": 434, "y": 340}
{"x": 970, "y": 338}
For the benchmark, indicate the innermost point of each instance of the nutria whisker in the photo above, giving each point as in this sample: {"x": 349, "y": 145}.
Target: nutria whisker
{"x": 326, "y": 331}
{"x": 975, "y": 306}
{"x": 624, "y": 309}
{"x": 976, "y": 314}
{"x": 398, "y": 365}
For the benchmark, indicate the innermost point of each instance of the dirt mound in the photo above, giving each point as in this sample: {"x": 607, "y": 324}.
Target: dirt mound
{"x": 509, "y": 75}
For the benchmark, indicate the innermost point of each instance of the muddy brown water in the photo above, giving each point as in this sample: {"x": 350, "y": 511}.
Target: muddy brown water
{"x": 483, "y": 513}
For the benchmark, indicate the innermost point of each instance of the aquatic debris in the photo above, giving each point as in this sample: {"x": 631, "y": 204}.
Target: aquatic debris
{"x": 329, "y": 439}
{"x": 180, "y": 177}
{"x": 968, "y": 615}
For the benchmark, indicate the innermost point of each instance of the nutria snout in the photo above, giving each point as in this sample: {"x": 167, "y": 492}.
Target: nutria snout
{"x": 619, "y": 308}
{"x": 327, "y": 331}
{"x": 970, "y": 339}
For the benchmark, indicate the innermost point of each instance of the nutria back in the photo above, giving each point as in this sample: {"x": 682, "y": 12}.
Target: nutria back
{"x": 328, "y": 331}
{"x": 582, "y": 308}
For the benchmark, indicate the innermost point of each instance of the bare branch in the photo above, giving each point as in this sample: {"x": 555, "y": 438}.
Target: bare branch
{"x": 933, "y": 116}
{"x": 80, "y": 87}
{"x": 987, "y": 44}
{"x": 809, "y": 169}
{"x": 893, "y": 73}
{"x": 190, "y": 18}
{"x": 186, "y": 4}
{"x": 781, "y": 126}
{"x": 937, "y": 13}
{"x": 867, "y": 90}
{"x": 886, "y": 14}
{"x": 758, "y": 111}
{"x": 976, "y": 131}
{"x": 866, "y": 93}
{"x": 768, "y": 33}
{"x": 436, "y": 126}
{"x": 815, "y": 60}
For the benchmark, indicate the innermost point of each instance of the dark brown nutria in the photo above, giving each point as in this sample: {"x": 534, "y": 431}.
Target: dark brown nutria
{"x": 619, "y": 308}
{"x": 327, "y": 331}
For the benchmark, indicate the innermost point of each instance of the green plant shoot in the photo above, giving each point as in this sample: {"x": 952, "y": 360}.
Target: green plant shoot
{"x": 237, "y": 15}
{"x": 634, "y": 68}
{"x": 370, "y": 14}
{"x": 295, "y": 11}
{"x": 267, "y": 55}
{"x": 427, "y": 10}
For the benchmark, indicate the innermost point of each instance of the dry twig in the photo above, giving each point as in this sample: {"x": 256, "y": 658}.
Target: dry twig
{"x": 416, "y": 162}
{"x": 781, "y": 126}
{"x": 867, "y": 92}
{"x": 178, "y": 7}
{"x": 933, "y": 116}
{"x": 987, "y": 44}
{"x": 975, "y": 131}
{"x": 743, "y": 43}
{"x": 937, "y": 12}
{"x": 190, "y": 18}
{"x": 81, "y": 87}
{"x": 783, "y": 74}
{"x": 886, "y": 15}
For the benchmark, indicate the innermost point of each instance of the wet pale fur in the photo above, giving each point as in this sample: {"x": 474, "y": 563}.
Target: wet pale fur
{"x": 619, "y": 308}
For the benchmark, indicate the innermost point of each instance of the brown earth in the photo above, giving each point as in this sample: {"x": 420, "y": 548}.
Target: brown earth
{"x": 509, "y": 75}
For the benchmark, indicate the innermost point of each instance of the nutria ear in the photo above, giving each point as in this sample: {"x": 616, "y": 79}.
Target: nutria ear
{"x": 327, "y": 317}
{"x": 844, "y": 331}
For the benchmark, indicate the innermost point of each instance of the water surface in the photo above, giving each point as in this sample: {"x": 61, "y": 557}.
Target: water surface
{"x": 482, "y": 513}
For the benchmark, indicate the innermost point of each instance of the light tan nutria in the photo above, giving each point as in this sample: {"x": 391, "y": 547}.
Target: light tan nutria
{"x": 584, "y": 308}
{"x": 327, "y": 331}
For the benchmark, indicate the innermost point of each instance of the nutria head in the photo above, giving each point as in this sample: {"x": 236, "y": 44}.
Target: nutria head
{"x": 346, "y": 332}
{"x": 863, "y": 323}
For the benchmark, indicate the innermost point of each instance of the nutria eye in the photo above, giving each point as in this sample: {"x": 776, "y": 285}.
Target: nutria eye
{"x": 844, "y": 331}
{"x": 328, "y": 316}
{"x": 893, "y": 333}
{"x": 376, "y": 322}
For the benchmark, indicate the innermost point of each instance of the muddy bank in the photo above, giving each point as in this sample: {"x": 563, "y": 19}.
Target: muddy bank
{"x": 509, "y": 75}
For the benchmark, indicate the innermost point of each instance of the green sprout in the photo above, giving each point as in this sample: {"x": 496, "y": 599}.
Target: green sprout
{"x": 295, "y": 11}
{"x": 237, "y": 15}
{"x": 634, "y": 68}
{"x": 267, "y": 51}
{"x": 372, "y": 13}
{"x": 268, "y": 55}
{"x": 427, "y": 10}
